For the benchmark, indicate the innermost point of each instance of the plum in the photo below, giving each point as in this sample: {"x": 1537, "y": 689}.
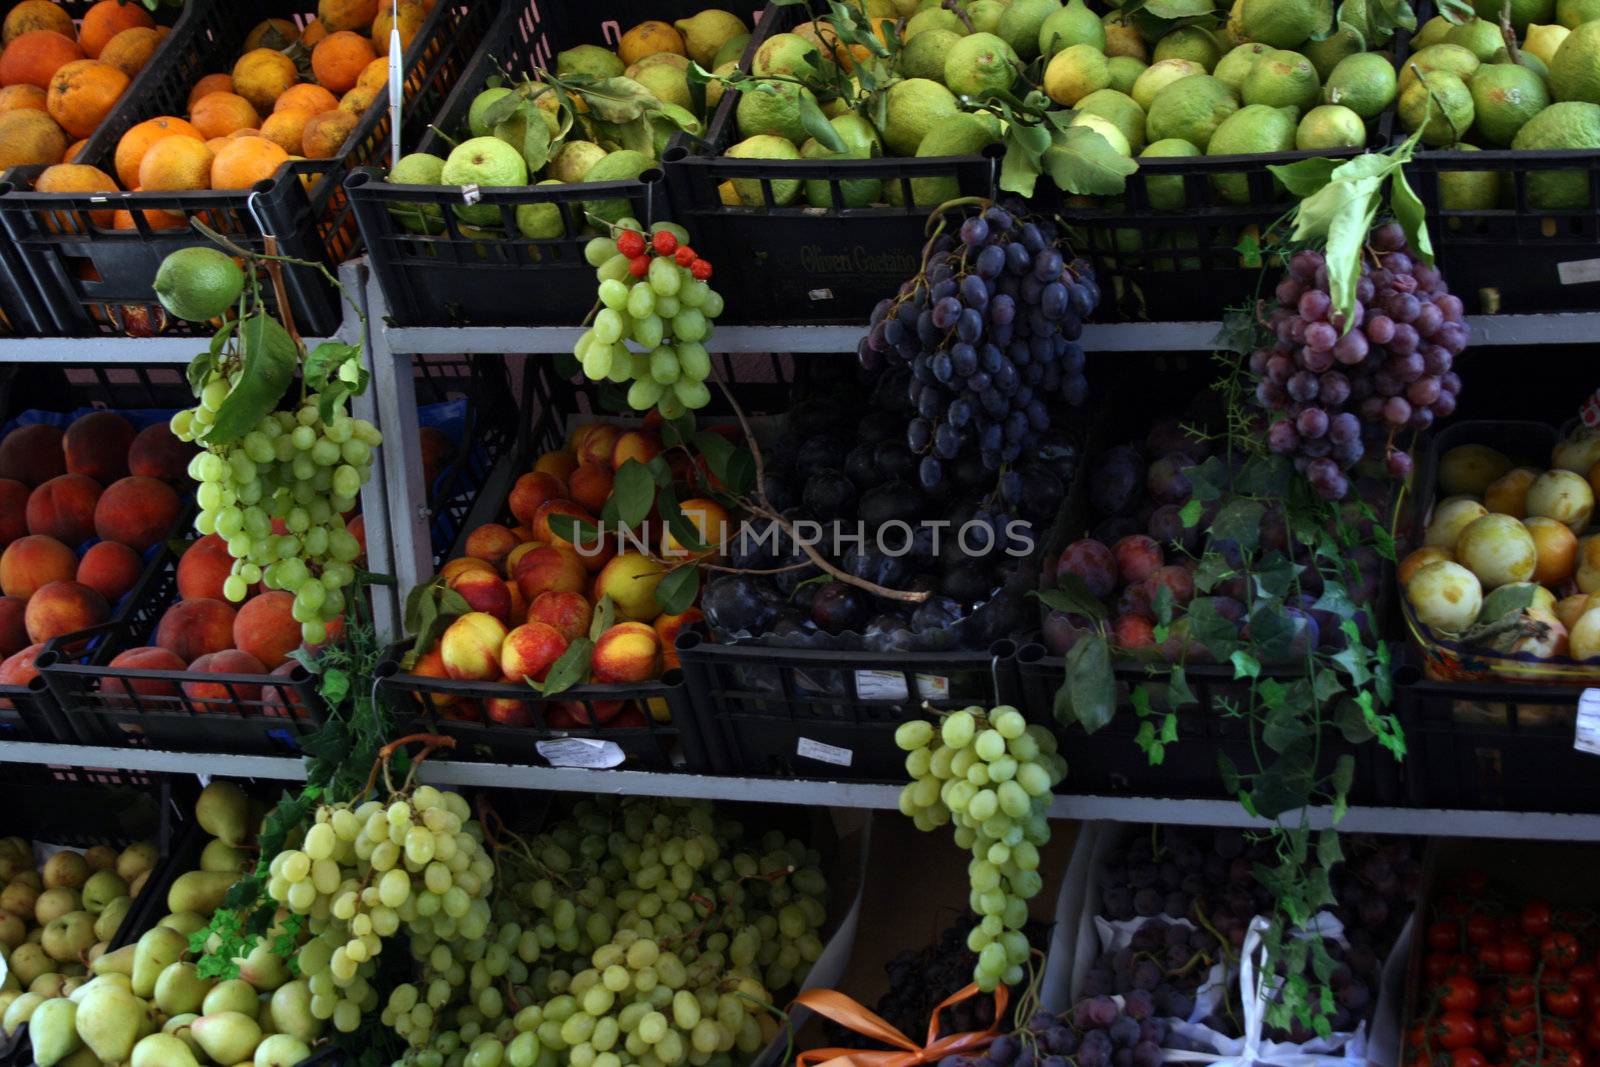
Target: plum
{"x": 1133, "y": 632}
{"x": 1563, "y": 496}
{"x": 1110, "y": 531}
{"x": 1166, "y": 527}
{"x": 1117, "y": 481}
{"x": 1450, "y": 517}
{"x": 1093, "y": 563}
{"x": 1137, "y": 557}
{"x": 1062, "y": 631}
{"x": 1166, "y": 481}
{"x": 1498, "y": 549}
{"x": 739, "y": 603}
{"x": 837, "y": 607}
{"x": 829, "y": 494}
{"x": 1170, "y": 435}
{"x": 1178, "y": 580}
{"x": 1468, "y": 469}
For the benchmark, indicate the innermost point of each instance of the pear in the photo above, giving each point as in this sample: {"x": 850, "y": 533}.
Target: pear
{"x": 180, "y": 989}
{"x": 233, "y": 997}
{"x": 109, "y": 921}
{"x": 279, "y": 1050}
{"x": 28, "y": 961}
{"x": 221, "y": 856}
{"x": 7, "y": 999}
{"x": 223, "y": 811}
{"x": 227, "y": 1036}
{"x": 100, "y": 858}
{"x": 56, "y": 902}
{"x": 65, "y": 868}
{"x": 68, "y": 937}
{"x": 118, "y": 961}
{"x": 75, "y": 983}
{"x": 161, "y": 1050}
{"x": 157, "y": 949}
{"x": 31, "y": 879}
{"x": 110, "y": 1020}
{"x": 290, "y": 1011}
{"x": 185, "y": 922}
{"x": 263, "y": 968}
{"x": 53, "y": 1033}
{"x": 180, "y": 1027}
{"x": 20, "y": 1011}
{"x": 96, "y": 950}
{"x": 136, "y": 859}
{"x": 13, "y": 931}
{"x": 84, "y": 1057}
{"x": 121, "y": 981}
{"x": 101, "y": 889}
{"x": 199, "y": 891}
{"x": 136, "y": 886}
{"x": 19, "y": 898}
{"x": 49, "y": 985}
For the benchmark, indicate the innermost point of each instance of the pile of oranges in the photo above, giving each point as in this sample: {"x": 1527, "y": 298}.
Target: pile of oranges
{"x": 294, "y": 93}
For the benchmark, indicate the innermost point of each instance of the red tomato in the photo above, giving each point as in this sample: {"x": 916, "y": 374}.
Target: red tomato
{"x": 1564, "y": 1001}
{"x": 1564, "y": 1057}
{"x": 1559, "y": 949}
{"x": 1458, "y": 993}
{"x": 1536, "y": 918}
{"x": 1591, "y": 1036}
{"x": 1520, "y": 991}
{"x": 1584, "y": 974}
{"x": 1468, "y": 1057}
{"x": 1482, "y": 928}
{"x": 1516, "y": 957}
{"x": 1559, "y": 1032}
{"x": 1522, "y": 1048}
{"x": 1456, "y": 1029}
{"x": 1489, "y": 958}
{"x": 1444, "y": 936}
{"x": 1439, "y": 964}
{"x": 1490, "y": 1040}
{"x": 1518, "y": 1021}
{"x": 1475, "y": 881}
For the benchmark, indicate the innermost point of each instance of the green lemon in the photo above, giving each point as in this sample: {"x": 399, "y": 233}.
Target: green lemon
{"x": 590, "y": 60}
{"x": 1281, "y": 23}
{"x": 772, "y": 108}
{"x": 765, "y": 146}
{"x": 1570, "y": 124}
{"x": 1166, "y": 194}
{"x": 914, "y": 107}
{"x": 1073, "y": 24}
{"x": 1120, "y": 110}
{"x": 1575, "y": 71}
{"x": 1074, "y": 73}
{"x": 1191, "y": 43}
{"x": 979, "y": 66}
{"x": 618, "y": 166}
{"x": 1191, "y": 109}
{"x": 788, "y": 55}
{"x": 861, "y": 141}
{"x": 933, "y": 18}
{"x": 1330, "y": 126}
{"x": 1447, "y": 57}
{"x": 488, "y": 162}
{"x": 1282, "y": 79}
{"x": 541, "y": 222}
{"x": 1574, "y": 13}
{"x": 418, "y": 168}
{"x": 1431, "y": 32}
{"x": 963, "y": 135}
{"x": 923, "y": 56}
{"x": 1523, "y": 12}
{"x": 1124, "y": 71}
{"x": 1451, "y": 114}
{"x": 705, "y": 33}
{"x": 199, "y": 283}
{"x": 480, "y": 104}
{"x": 1020, "y": 24}
{"x": 1542, "y": 42}
{"x": 1252, "y": 130}
{"x": 1468, "y": 190}
{"x": 1105, "y": 128}
{"x": 1364, "y": 83}
{"x": 1504, "y": 97}
{"x": 1158, "y": 76}
{"x": 1480, "y": 37}
{"x": 1329, "y": 52}
{"x": 1235, "y": 66}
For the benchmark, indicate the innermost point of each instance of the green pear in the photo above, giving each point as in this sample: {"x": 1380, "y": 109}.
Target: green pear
{"x": 110, "y": 1020}
{"x": 101, "y": 889}
{"x": 19, "y": 1011}
{"x": 263, "y": 968}
{"x": 233, "y": 997}
{"x": 7, "y": 999}
{"x": 227, "y": 1036}
{"x": 290, "y": 1010}
{"x": 72, "y": 985}
{"x": 199, "y": 891}
{"x": 49, "y": 985}
{"x": 185, "y": 922}
{"x": 221, "y": 856}
{"x": 121, "y": 981}
{"x": 68, "y": 937}
{"x": 66, "y": 868}
{"x": 13, "y": 931}
{"x": 119, "y": 961}
{"x": 84, "y": 1057}
{"x": 136, "y": 859}
{"x": 53, "y": 1033}
{"x": 223, "y": 811}
{"x": 180, "y": 989}
{"x": 279, "y": 1050}
{"x": 156, "y": 950}
{"x": 109, "y": 921}
{"x": 56, "y": 902}
{"x": 161, "y": 1050}
{"x": 28, "y": 961}
{"x": 179, "y": 1026}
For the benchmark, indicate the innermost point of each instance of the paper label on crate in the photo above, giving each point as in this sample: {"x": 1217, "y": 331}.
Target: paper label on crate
{"x": 581, "y": 752}
{"x": 1587, "y": 734}
{"x": 1578, "y": 271}
{"x": 820, "y": 294}
{"x": 839, "y": 757}
{"x": 471, "y": 194}
{"x": 891, "y": 685}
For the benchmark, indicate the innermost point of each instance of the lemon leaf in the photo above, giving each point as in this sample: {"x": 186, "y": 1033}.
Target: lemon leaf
{"x": 268, "y": 356}
{"x": 1083, "y": 163}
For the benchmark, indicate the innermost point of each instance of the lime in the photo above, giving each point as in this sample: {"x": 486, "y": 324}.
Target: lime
{"x": 1480, "y": 37}
{"x": 1158, "y": 76}
{"x": 1575, "y": 71}
{"x": 1280, "y": 23}
{"x": 1468, "y": 190}
{"x": 1191, "y": 109}
{"x": 1123, "y": 38}
{"x": 1570, "y": 124}
{"x": 1252, "y": 130}
{"x": 1523, "y": 12}
{"x": 1447, "y": 57}
{"x": 1282, "y": 79}
{"x": 981, "y": 65}
{"x": 764, "y": 146}
{"x": 1233, "y": 67}
{"x": 1074, "y": 73}
{"x": 1504, "y": 97}
{"x": 1191, "y": 43}
{"x": 1020, "y": 24}
{"x": 1364, "y": 83}
{"x": 923, "y": 55}
{"x": 1543, "y": 42}
{"x": 198, "y": 283}
{"x": 1120, "y": 110}
{"x": 1073, "y": 24}
{"x": 1330, "y": 126}
{"x": 1329, "y": 52}
{"x": 1166, "y": 194}
{"x": 772, "y": 108}
{"x": 1124, "y": 71}
{"x": 480, "y": 104}
{"x": 1574, "y": 13}
{"x": 1451, "y": 113}
{"x": 914, "y": 107}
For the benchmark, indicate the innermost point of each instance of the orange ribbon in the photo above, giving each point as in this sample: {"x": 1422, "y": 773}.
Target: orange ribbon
{"x": 841, "y": 1009}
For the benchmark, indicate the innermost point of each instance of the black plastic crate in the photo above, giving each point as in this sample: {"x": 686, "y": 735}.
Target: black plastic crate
{"x": 267, "y": 714}
{"x": 93, "y": 280}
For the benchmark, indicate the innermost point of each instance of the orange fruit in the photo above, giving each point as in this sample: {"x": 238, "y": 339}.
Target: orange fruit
{"x": 15, "y": 97}
{"x": 78, "y": 178}
{"x": 245, "y": 161}
{"x": 38, "y": 15}
{"x": 33, "y": 58}
{"x": 325, "y": 133}
{"x": 216, "y": 143}
{"x": 28, "y": 136}
{"x": 312, "y": 99}
{"x": 276, "y": 34}
{"x": 131, "y": 49}
{"x": 314, "y": 32}
{"x": 339, "y": 60}
{"x": 261, "y": 76}
{"x": 286, "y": 128}
{"x": 648, "y": 38}
{"x": 211, "y": 83}
{"x": 154, "y": 220}
{"x": 82, "y": 93}
{"x": 357, "y": 100}
{"x": 176, "y": 162}
{"x": 412, "y": 16}
{"x": 137, "y": 141}
{"x": 105, "y": 20}
{"x": 219, "y": 114}
{"x": 73, "y": 149}
{"x": 338, "y": 15}
{"x": 375, "y": 76}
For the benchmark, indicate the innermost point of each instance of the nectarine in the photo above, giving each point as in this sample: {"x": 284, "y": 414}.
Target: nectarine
{"x": 266, "y": 628}
{"x": 628, "y": 652}
{"x": 630, "y": 581}
{"x": 147, "y": 658}
{"x": 531, "y": 490}
{"x": 32, "y": 454}
{"x": 110, "y": 569}
{"x": 137, "y": 511}
{"x": 470, "y": 647}
{"x": 63, "y": 607}
{"x": 34, "y": 561}
{"x": 530, "y": 651}
{"x": 568, "y": 612}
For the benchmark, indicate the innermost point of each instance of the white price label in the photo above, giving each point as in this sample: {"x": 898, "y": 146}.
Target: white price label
{"x": 839, "y": 757}
{"x": 1578, "y": 271}
{"x": 471, "y": 194}
{"x": 891, "y": 685}
{"x": 1587, "y": 734}
{"x": 581, "y": 752}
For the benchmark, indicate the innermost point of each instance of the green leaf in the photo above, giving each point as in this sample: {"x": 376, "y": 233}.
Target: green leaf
{"x": 1190, "y": 513}
{"x": 686, "y": 533}
{"x": 1410, "y": 213}
{"x": 1091, "y": 685}
{"x": 676, "y": 592}
{"x": 634, "y": 491}
{"x": 1347, "y": 236}
{"x": 677, "y": 433}
{"x": 733, "y": 466}
{"x": 527, "y": 132}
{"x": 573, "y": 528}
{"x": 1153, "y": 750}
{"x": 618, "y": 99}
{"x": 1216, "y": 633}
{"x": 503, "y": 108}
{"x": 1019, "y": 173}
{"x": 268, "y": 356}
{"x": 1245, "y": 665}
{"x": 1284, "y": 727}
{"x": 815, "y": 123}
{"x": 1178, "y": 692}
{"x": 605, "y": 613}
{"x": 1305, "y": 176}
{"x": 452, "y": 603}
{"x": 570, "y": 670}
{"x": 1328, "y": 850}
{"x": 1229, "y": 773}
{"x": 1344, "y": 774}
{"x": 323, "y": 362}
{"x": 1072, "y": 597}
{"x": 1239, "y": 521}
{"x": 1082, "y": 162}
{"x": 335, "y": 686}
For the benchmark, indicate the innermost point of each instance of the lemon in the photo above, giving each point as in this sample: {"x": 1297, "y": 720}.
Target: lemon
{"x": 1233, "y": 67}
{"x": 787, "y": 55}
{"x": 1364, "y": 83}
{"x": 1468, "y": 190}
{"x": 1124, "y": 71}
{"x": 1431, "y": 32}
{"x": 1020, "y": 24}
{"x": 1504, "y": 97}
{"x": 648, "y": 37}
{"x": 915, "y": 106}
{"x": 541, "y": 222}
{"x": 1120, "y": 110}
{"x": 1570, "y": 124}
{"x": 1158, "y": 76}
{"x": 418, "y": 168}
{"x": 573, "y": 160}
{"x": 1447, "y": 57}
{"x": 772, "y": 108}
{"x": 933, "y": 18}
{"x": 618, "y": 166}
{"x": 861, "y": 142}
{"x": 1074, "y": 73}
{"x": 1252, "y": 130}
{"x": 1073, "y": 24}
{"x": 1166, "y": 194}
{"x": 1330, "y": 126}
{"x": 1280, "y": 23}
{"x": 1452, "y": 111}
{"x": 1191, "y": 43}
{"x": 705, "y": 33}
{"x": 1523, "y": 12}
{"x": 1329, "y": 52}
{"x": 923, "y": 56}
{"x": 764, "y": 146}
{"x": 985, "y": 15}
{"x": 1543, "y": 41}
{"x": 1105, "y": 128}
{"x": 1575, "y": 71}
{"x": 714, "y": 89}
{"x": 1480, "y": 37}
{"x": 198, "y": 283}
{"x": 1282, "y": 79}
{"x": 480, "y": 105}
{"x": 1123, "y": 39}
{"x": 963, "y": 135}
{"x": 590, "y": 60}
{"x": 981, "y": 65}
{"x": 1191, "y": 109}
{"x": 732, "y": 51}
{"x": 1574, "y": 13}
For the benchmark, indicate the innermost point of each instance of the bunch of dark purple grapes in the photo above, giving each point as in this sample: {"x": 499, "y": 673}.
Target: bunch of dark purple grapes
{"x": 1376, "y": 889}
{"x": 1186, "y": 872}
{"x": 1343, "y": 395}
{"x": 1095, "y": 1033}
{"x": 989, "y": 330}
{"x": 1163, "y": 963}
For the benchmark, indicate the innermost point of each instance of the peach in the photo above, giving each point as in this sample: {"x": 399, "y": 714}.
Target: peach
{"x": 64, "y": 607}
{"x": 98, "y": 444}
{"x": 550, "y": 567}
{"x": 530, "y": 651}
{"x": 569, "y": 613}
{"x": 18, "y": 668}
{"x": 147, "y": 658}
{"x": 484, "y": 591}
{"x": 195, "y": 628}
{"x": 13, "y": 510}
{"x": 524, "y": 533}
{"x": 1418, "y": 559}
{"x": 594, "y": 443}
{"x": 514, "y": 557}
{"x": 34, "y": 561}
{"x": 591, "y": 485}
{"x": 63, "y": 508}
{"x": 1556, "y": 548}
{"x": 559, "y": 465}
{"x": 630, "y": 581}
{"x": 641, "y": 445}
{"x": 204, "y": 567}
{"x": 13, "y": 630}
{"x": 137, "y": 510}
{"x": 541, "y": 519}
{"x": 581, "y": 714}
{"x": 667, "y": 628}
{"x": 709, "y": 518}
{"x": 456, "y": 567}
{"x": 531, "y": 490}
{"x": 283, "y": 700}
{"x": 32, "y": 454}
{"x": 223, "y": 696}
{"x": 470, "y": 647}
{"x": 431, "y": 665}
{"x": 110, "y": 569}
{"x": 519, "y": 603}
{"x": 491, "y": 542}
{"x": 437, "y": 450}
{"x": 156, "y": 453}
{"x": 266, "y": 628}
{"x": 507, "y": 711}
{"x": 627, "y": 652}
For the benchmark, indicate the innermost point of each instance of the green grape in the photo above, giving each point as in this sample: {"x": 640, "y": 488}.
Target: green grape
{"x": 644, "y": 393}
{"x": 668, "y": 306}
{"x": 614, "y": 269}
{"x": 690, "y": 325}
{"x": 597, "y": 252}
{"x": 649, "y": 330}
{"x": 614, "y": 295}
{"x": 958, "y": 730}
{"x": 712, "y": 305}
{"x": 694, "y": 360}
{"x": 694, "y": 395}
{"x": 664, "y": 365}
{"x": 664, "y": 277}
{"x": 913, "y": 735}
{"x": 641, "y": 300}
{"x": 608, "y": 326}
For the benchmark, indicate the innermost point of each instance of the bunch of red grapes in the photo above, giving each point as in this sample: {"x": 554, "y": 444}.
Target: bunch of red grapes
{"x": 1339, "y": 396}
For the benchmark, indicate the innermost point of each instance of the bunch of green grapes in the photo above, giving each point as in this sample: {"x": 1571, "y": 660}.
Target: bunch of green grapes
{"x": 278, "y": 497}
{"x": 653, "y": 292}
{"x": 991, "y": 774}
{"x": 361, "y": 874}
{"x": 643, "y": 931}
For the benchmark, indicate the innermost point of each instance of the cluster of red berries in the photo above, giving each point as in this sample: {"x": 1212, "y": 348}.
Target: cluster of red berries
{"x": 632, "y": 244}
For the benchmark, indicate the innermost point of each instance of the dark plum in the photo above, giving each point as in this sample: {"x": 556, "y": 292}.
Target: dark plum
{"x": 838, "y": 607}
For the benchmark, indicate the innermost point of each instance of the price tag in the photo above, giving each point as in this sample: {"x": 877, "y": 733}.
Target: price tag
{"x": 581, "y": 752}
{"x": 1578, "y": 271}
{"x": 839, "y": 757}
{"x": 471, "y": 194}
{"x": 1587, "y": 735}
{"x": 819, "y": 294}
{"x": 891, "y": 685}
